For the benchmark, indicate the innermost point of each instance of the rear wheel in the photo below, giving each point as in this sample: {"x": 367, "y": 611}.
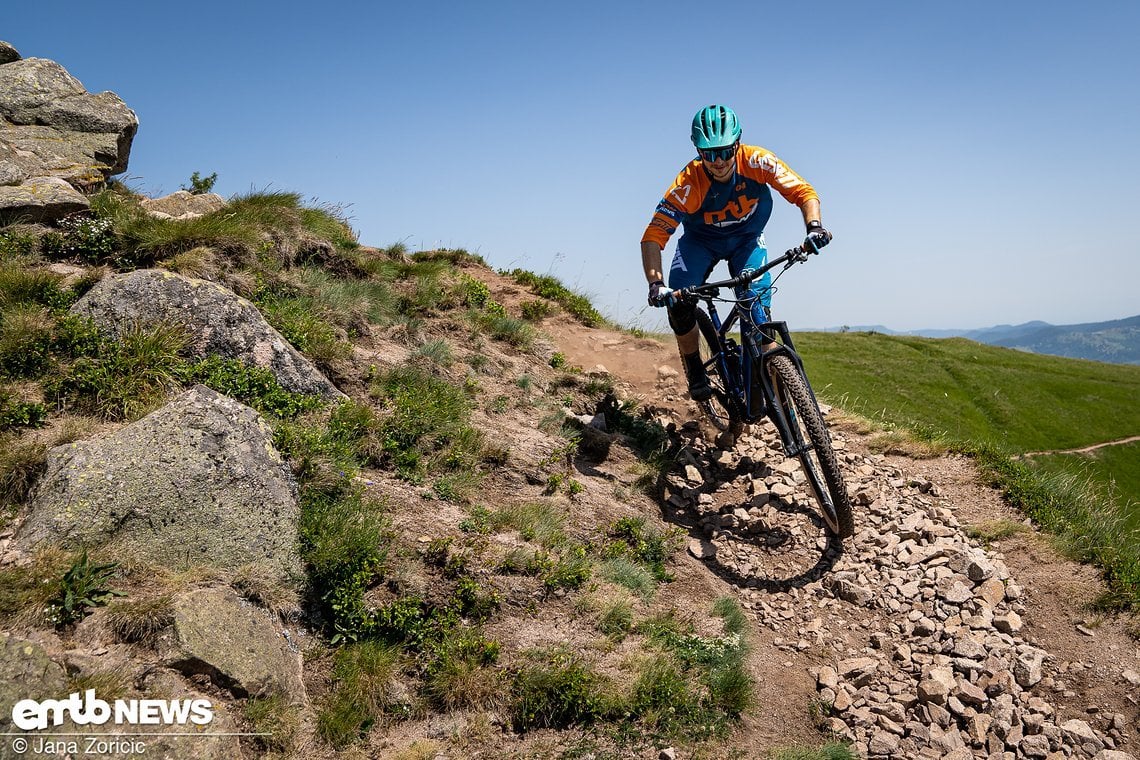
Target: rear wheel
{"x": 721, "y": 409}
{"x": 817, "y": 456}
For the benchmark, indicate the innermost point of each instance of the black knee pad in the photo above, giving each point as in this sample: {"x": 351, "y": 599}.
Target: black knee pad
{"x": 682, "y": 317}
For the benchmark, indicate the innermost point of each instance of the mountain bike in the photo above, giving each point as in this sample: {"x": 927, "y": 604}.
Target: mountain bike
{"x": 762, "y": 377}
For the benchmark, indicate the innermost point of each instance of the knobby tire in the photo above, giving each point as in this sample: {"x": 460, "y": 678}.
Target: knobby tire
{"x": 819, "y": 458}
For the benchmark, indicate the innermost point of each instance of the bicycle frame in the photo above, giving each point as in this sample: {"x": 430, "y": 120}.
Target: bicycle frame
{"x": 740, "y": 387}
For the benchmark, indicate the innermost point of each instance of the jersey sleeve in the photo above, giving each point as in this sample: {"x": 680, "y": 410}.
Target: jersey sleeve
{"x": 681, "y": 199}
{"x": 762, "y": 165}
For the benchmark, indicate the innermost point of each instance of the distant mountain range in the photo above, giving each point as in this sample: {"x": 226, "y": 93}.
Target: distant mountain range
{"x": 1117, "y": 341}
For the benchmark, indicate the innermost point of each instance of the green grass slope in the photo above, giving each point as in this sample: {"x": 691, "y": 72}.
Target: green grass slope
{"x": 973, "y": 392}
{"x": 996, "y": 403}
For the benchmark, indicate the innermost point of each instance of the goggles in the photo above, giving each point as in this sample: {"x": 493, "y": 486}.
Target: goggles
{"x": 718, "y": 154}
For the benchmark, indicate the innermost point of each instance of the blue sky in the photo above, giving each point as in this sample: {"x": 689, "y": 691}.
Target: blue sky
{"x": 977, "y": 161}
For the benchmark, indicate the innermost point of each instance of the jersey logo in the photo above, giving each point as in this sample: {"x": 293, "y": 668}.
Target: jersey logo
{"x": 682, "y": 193}
{"x": 766, "y": 162}
{"x": 734, "y": 212}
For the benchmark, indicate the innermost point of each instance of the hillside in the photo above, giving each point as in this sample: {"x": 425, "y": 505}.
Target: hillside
{"x": 819, "y": 625}
{"x": 1115, "y": 341}
{"x": 269, "y": 492}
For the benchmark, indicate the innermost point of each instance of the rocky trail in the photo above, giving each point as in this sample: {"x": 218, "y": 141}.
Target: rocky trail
{"x": 913, "y": 640}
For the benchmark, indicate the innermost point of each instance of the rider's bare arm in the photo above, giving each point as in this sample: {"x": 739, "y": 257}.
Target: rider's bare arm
{"x": 810, "y": 210}
{"x": 651, "y": 261}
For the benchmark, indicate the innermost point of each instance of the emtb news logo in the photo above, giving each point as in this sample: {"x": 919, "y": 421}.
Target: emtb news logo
{"x": 33, "y": 715}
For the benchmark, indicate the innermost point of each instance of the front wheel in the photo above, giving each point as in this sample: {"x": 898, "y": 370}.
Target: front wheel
{"x": 722, "y": 408}
{"x": 816, "y": 455}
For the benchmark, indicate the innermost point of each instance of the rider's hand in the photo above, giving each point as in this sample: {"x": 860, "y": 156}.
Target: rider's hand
{"x": 659, "y": 295}
{"x": 817, "y": 237}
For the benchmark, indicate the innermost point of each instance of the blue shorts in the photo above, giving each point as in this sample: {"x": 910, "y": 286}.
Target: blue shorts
{"x": 694, "y": 262}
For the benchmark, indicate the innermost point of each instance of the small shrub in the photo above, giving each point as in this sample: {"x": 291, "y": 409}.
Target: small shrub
{"x": 362, "y": 672}
{"x": 344, "y": 540}
{"x": 200, "y": 185}
{"x": 458, "y": 674}
{"x": 17, "y": 414}
{"x": 31, "y": 286}
{"x": 510, "y": 330}
{"x": 437, "y": 352}
{"x": 631, "y": 575}
{"x": 19, "y": 245}
{"x": 426, "y": 429}
{"x": 254, "y": 386}
{"x": 520, "y": 561}
{"x": 25, "y": 340}
{"x": 557, "y": 693}
{"x": 81, "y": 238}
{"x": 479, "y": 521}
{"x": 570, "y": 571}
{"x": 535, "y": 521}
{"x": 82, "y": 587}
{"x": 305, "y": 327}
{"x": 535, "y": 310}
{"x": 650, "y": 547}
{"x": 558, "y": 360}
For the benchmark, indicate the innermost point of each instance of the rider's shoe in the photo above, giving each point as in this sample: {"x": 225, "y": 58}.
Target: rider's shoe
{"x": 699, "y": 388}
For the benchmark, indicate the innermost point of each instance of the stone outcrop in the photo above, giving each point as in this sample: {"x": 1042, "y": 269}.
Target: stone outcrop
{"x": 237, "y": 645}
{"x": 51, "y": 127}
{"x": 183, "y": 205}
{"x": 219, "y": 322}
{"x": 196, "y": 482}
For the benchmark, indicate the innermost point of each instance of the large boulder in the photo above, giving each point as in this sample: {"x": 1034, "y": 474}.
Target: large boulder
{"x": 50, "y": 126}
{"x": 219, "y": 321}
{"x": 196, "y": 482}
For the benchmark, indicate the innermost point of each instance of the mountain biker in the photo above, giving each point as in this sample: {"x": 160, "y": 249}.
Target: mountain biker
{"x": 723, "y": 201}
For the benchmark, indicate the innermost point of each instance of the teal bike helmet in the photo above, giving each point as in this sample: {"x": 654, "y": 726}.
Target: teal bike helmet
{"x": 715, "y": 127}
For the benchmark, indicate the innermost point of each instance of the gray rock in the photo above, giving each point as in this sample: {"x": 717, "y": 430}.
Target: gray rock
{"x": 50, "y": 126}
{"x": 8, "y": 53}
{"x": 1028, "y": 668}
{"x": 1009, "y": 622}
{"x": 196, "y": 482}
{"x": 954, "y": 591}
{"x": 40, "y": 199}
{"x": 184, "y": 205}
{"x": 1079, "y": 734}
{"x": 236, "y": 644}
{"x": 883, "y": 743}
{"x": 220, "y": 322}
{"x": 26, "y": 672}
{"x": 1034, "y": 746}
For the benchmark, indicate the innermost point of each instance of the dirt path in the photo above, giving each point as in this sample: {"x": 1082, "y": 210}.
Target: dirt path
{"x": 1084, "y": 450}
{"x": 787, "y": 581}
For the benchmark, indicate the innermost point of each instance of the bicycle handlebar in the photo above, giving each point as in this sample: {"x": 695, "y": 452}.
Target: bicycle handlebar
{"x": 789, "y": 257}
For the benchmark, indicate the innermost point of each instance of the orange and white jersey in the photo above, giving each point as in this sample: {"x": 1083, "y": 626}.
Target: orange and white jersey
{"x": 724, "y": 212}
